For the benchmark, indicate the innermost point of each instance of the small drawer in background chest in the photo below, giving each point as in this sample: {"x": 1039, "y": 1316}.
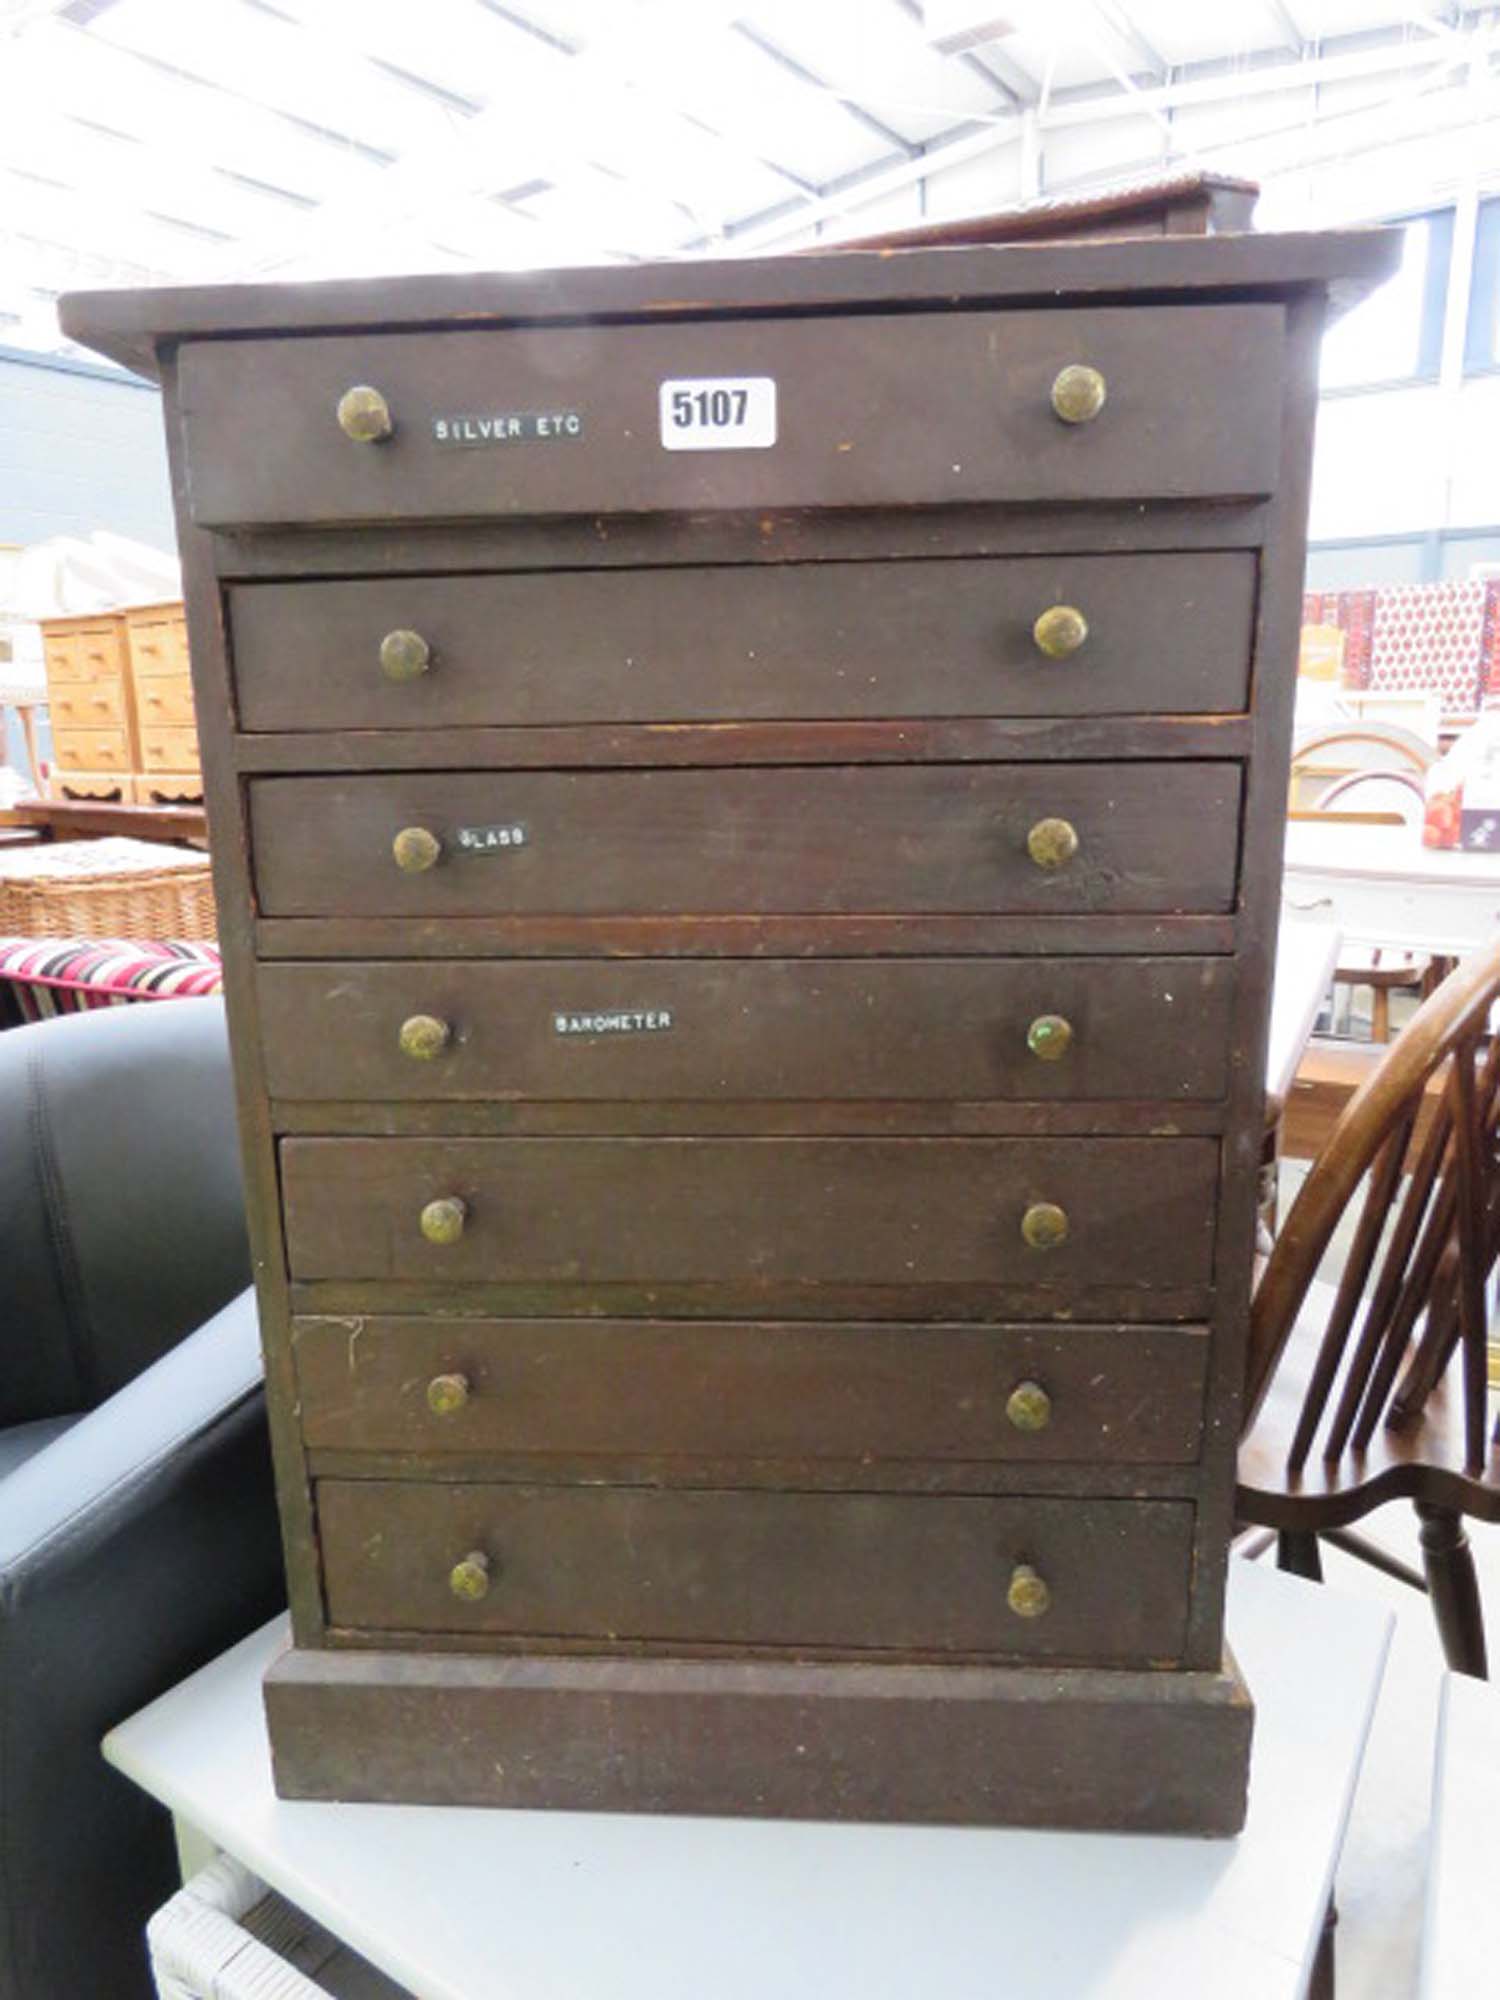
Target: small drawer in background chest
{"x": 98, "y": 750}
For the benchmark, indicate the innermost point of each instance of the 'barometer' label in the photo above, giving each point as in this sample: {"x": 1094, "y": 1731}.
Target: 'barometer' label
{"x": 614, "y": 1021}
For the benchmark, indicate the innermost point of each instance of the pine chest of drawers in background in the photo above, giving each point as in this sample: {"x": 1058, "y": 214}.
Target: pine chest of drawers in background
{"x": 746, "y": 807}
{"x": 120, "y": 703}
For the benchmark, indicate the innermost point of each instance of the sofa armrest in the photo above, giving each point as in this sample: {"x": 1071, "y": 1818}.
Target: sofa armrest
{"x": 121, "y": 1211}
{"x": 132, "y": 1549}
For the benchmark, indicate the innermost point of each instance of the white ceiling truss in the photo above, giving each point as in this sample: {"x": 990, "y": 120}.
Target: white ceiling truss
{"x": 146, "y": 141}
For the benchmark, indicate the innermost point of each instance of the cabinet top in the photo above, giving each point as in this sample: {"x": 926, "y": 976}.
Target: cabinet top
{"x": 139, "y": 328}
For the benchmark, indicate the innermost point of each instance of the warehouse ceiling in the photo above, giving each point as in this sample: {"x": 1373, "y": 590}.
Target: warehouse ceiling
{"x": 146, "y": 141}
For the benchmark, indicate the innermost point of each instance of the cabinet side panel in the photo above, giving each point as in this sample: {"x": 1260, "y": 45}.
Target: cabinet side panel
{"x": 1273, "y": 690}
{"x": 229, "y": 854}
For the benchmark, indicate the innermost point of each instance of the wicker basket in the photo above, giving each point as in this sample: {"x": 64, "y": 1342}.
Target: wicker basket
{"x": 225, "y": 1936}
{"x": 105, "y": 888}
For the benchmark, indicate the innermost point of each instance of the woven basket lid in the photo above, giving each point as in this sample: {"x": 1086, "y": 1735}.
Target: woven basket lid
{"x": 94, "y": 860}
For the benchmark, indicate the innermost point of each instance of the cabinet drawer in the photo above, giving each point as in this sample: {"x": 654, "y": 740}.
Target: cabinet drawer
{"x": 641, "y": 1212}
{"x": 158, "y": 646}
{"x": 84, "y": 653}
{"x": 85, "y": 705}
{"x": 165, "y": 700}
{"x": 787, "y": 1391}
{"x": 169, "y": 749}
{"x": 851, "y": 1572}
{"x": 101, "y": 750}
{"x": 1165, "y": 633}
{"x": 653, "y": 1031}
{"x": 851, "y": 840}
{"x": 869, "y": 411}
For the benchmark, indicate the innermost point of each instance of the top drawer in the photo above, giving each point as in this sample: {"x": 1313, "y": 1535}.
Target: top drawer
{"x": 863, "y": 412}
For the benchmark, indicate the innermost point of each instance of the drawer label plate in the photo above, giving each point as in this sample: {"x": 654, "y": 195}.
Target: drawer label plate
{"x": 490, "y": 839}
{"x": 509, "y": 427}
{"x": 613, "y": 1021}
{"x": 718, "y": 413}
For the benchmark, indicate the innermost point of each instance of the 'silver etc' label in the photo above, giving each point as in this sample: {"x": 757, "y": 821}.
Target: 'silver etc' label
{"x": 509, "y": 427}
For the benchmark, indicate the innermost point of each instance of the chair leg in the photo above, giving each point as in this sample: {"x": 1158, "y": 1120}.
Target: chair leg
{"x": 1454, "y": 1588}
{"x": 1297, "y": 1553}
{"x": 1320, "y": 1986}
{"x": 1380, "y": 1015}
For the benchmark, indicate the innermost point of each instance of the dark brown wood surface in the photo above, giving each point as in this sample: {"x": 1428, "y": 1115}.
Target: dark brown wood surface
{"x": 1166, "y": 634}
{"x": 749, "y": 1029}
{"x": 909, "y": 839}
{"x": 872, "y": 411}
{"x": 1161, "y": 1226}
{"x": 1014, "y": 1745}
{"x": 856, "y": 1572}
{"x": 769, "y": 536}
{"x": 659, "y": 1389}
{"x": 758, "y": 1211}
{"x": 137, "y": 327}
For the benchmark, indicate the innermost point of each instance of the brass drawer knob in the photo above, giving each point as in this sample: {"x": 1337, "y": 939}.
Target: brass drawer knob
{"x": 1050, "y": 843}
{"x": 447, "y": 1394}
{"x": 1049, "y": 1037}
{"x": 1044, "y": 1225}
{"x": 416, "y": 848}
{"x": 1060, "y": 631}
{"x": 364, "y": 414}
{"x": 1028, "y": 1595}
{"x": 1028, "y": 1407}
{"x": 470, "y": 1579}
{"x": 442, "y": 1221}
{"x": 424, "y": 1036}
{"x": 405, "y": 656}
{"x": 1078, "y": 393}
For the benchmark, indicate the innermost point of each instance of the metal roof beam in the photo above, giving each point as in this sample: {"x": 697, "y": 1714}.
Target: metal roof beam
{"x": 1069, "y": 109}
{"x": 886, "y": 133}
{"x": 1122, "y": 30}
{"x": 1015, "y": 84}
{"x": 1287, "y": 21}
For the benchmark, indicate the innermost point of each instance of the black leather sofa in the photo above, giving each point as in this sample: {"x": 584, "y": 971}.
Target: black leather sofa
{"x": 137, "y": 1519}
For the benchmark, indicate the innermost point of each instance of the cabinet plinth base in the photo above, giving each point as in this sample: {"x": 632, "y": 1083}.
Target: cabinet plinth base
{"x": 1079, "y": 1747}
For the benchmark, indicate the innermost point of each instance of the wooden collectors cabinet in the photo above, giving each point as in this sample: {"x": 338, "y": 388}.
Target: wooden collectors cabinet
{"x": 749, "y": 1043}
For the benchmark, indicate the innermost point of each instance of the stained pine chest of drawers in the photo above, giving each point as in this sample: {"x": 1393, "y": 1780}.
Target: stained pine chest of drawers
{"x": 745, "y": 803}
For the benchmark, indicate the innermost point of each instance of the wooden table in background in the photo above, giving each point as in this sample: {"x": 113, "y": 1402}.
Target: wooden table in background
{"x": 1306, "y": 955}
{"x": 87, "y": 819}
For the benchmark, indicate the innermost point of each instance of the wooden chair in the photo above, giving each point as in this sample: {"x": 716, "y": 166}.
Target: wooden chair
{"x": 1377, "y": 796}
{"x": 1374, "y": 1389}
{"x": 1321, "y": 756}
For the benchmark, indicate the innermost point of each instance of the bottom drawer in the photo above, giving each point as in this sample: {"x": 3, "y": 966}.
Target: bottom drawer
{"x": 168, "y": 749}
{"x": 91, "y": 749}
{"x": 837, "y": 1572}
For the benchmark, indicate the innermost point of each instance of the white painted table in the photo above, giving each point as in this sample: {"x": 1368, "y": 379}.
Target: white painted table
{"x": 1380, "y": 885}
{"x": 459, "y": 1904}
{"x": 1463, "y": 1860}
{"x": 1307, "y": 954}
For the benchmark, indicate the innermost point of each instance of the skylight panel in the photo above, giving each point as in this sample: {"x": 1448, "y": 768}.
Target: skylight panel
{"x": 878, "y": 58}
{"x": 252, "y": 55}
